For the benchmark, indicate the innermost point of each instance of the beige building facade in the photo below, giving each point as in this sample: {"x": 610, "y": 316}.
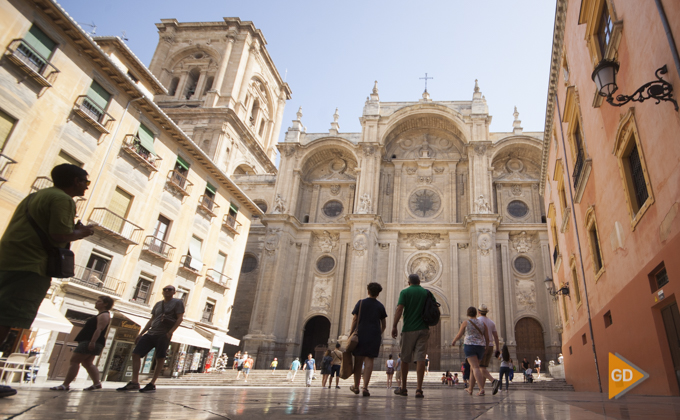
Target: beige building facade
{"x": 424, "y": 188}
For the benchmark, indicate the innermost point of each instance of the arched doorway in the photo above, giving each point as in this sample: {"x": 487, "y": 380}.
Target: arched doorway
{"x": 529, "y": 337}
{"x": 316, "y": 333}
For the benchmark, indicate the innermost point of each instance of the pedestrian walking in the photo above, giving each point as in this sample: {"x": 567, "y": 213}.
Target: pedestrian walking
{"x": 326, "y": 363}
{"x": 427, "y": 364}
{"x": 237, "y": 356}
{"x": 41, "y": 221}
{"x": 239, "y": 364}
{"x": 166, "y": 316}
{"x": 389, "y": 367}
{"x": 414, "y": 333}
{"x": 247, "y": 365}
{"x": 512, "y": 370}
{"x": 506, "y": 367}
{"x": 274, "y": 364}
{"x": 465, "y": 368}
{"x": 294, "y": 367}
{"x": 309, "y": 367}
{"x": 335, "y": 366}
{"x": 397, "y": 370}
{"x": 91, "y": 340}
{"x": 537, "y": 365}
{"x": 492, "y": 336}
{"x": 475, "y": 344}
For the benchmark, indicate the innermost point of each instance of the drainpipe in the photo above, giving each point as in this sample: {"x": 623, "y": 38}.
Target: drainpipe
{"x": 578, "y": 242}
{"x": 669, "y": 35}
{"x": 108, "y": 151}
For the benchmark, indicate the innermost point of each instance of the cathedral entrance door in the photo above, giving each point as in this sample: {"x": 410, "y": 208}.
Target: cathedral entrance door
{"x": 434, "y": 347}
{"x": 316, "y": 333}
{"x": 529, "y": 336}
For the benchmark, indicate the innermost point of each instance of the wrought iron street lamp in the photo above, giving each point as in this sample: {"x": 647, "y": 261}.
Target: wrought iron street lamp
{"x": 604, "y": 77}
{"x": 564, "y": 290}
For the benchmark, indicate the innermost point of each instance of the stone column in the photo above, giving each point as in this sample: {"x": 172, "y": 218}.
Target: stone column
{"x": 453, "y": 189}
{"x": 314, "y": 214}
{"x": 297, "y": 304}
{"x": 216, "y": 90}
{"x": 483, "y": 248}
{"x": 274, "y": 133}
{"x": 396, "y": 204}
{"x": 337, "y": 305}
{"x": 253, "y": 51}
{"x": 509, "y": 293}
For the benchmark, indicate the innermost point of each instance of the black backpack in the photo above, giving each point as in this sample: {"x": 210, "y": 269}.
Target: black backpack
{"x": 431, "y": 312}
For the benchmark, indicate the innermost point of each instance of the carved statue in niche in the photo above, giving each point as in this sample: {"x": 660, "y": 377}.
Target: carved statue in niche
{"x": 321, "y": 294}
{"x": 279, "y": 204}
{"x": 327, "y": 240}
{"x": 482, "y": 205}
{"x": 364, "y": 204}
{"x": 425, "y": 267}
{"x": 484, "y": 241}
{"x": 425, "y": 151}
{"x": 271, "y": 242}
{"x": 525, "y": 294}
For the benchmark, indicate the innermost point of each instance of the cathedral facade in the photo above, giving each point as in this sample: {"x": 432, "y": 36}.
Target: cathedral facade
{"x": 424, "y": 188}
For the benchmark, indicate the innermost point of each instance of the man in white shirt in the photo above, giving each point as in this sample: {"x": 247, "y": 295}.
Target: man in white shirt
{"x": 492, "y": 334}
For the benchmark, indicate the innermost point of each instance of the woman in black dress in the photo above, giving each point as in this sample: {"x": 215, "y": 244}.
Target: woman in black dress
{"x": 91, "y": 340}
{"x": 369, "y": 320}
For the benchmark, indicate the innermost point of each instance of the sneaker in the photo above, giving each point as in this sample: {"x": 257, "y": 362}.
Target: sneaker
{"x": 148, "y": 388}
{"x": 496, "y": 384}
{"x": 337, "y": 387}
{"x": 129, "y": 387}
{"x": 7, "y": 391}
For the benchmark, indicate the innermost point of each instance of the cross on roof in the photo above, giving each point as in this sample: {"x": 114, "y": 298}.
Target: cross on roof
{"x": 425, "y": 78}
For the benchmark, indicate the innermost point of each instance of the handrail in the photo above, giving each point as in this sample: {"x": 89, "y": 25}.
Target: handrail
{"x": 180, "y": 181}
{"x": 5, "y": 163}
{"x": 41, "y": 183}
{"x": 104, "y": 218}
{"x": 158, "y": 247}
{"x": 208, "y": 204}
{"x": 185, "y": 262}
{"x": 88, "y": 109}
{"x": 231, "y": 222}
{"x": 97, "y": 280}
{"x": 26, "y": 57}
{"x": 133, "y": 145}
{"x": 218, "y": 278}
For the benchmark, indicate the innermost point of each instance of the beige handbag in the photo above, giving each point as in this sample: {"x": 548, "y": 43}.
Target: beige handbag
{"x": 354, "y": 336}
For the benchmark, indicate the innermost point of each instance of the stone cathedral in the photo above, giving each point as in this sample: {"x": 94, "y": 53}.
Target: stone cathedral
{"x": 424, "y": 188}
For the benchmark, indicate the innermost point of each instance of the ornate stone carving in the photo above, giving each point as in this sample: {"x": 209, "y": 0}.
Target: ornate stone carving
{"x": 482, "y": 205}
{"x": 525, "y": 294}
{"x": 410, "y": 170}
{"x": 369, "y": 150}
{"x": 335, "y": 189}
{"x": 439, "y": 169}
{"x": 279, "y": 205}
{"x": 484, "y": 241}
{"x": 480, "y": 150}
{"x": 522, "y": 242}
{"x": 427, "y": 265}
{"x": 423, "y": 240}
{"x": 516, "y": 189}
{"x": 321, "y": 294}
{"x": 425, "y": 151}
{"x": 424, "y": 203}
{"x": 463, "y": 246}
{"x": 360, "y": 242}
{"x": 364, "y": 204}
{"x": 326, "y": 240}
{"x": 424, "y": 179}
{"x": 289, "y": 151}
{"x": 271, "y": 241}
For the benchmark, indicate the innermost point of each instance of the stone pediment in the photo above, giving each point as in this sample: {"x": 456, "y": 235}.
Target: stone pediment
{"x": 515, "y": 177}
{"x": 422, "y": 241}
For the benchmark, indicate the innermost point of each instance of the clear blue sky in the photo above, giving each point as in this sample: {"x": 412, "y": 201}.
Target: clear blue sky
{"x": 331, "y": 52}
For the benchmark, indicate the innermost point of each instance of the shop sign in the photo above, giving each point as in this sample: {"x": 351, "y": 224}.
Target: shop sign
{"x": 623, "y": 376}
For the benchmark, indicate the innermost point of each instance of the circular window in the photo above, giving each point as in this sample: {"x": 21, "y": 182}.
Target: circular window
{"x": 517, "y": 209}
{"x": 325, "y": 264}
{"x": 198, "y": 56}
{"x": 424, "y": 203}
{"x": 249, "y": 264}
{"x": 332, "y": 208}
{"x": 523, "y": 265}
{"x": 262, "y": 205}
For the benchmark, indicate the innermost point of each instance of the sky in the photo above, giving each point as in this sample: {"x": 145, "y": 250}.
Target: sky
{"x": 331, "y": 52}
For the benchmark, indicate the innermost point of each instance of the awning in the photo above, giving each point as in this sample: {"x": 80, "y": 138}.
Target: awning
{"x": 50, "y": 318}
{"x": 182, "y": 335}
{"x": 220, "y": 338}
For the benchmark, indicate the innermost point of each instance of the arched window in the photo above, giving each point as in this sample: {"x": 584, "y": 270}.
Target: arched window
{"x": 192, "y": 81}
{"x": 208, "y": 84}
{"x": 254, "y": 111}
{"x": 261, "y": 127}
{"x": 172, "y": 89}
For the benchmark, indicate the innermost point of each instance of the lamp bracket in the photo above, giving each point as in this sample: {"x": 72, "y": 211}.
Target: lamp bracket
{"x": 659, "y": 89}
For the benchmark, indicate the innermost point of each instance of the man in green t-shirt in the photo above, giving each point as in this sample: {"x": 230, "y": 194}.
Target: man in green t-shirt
{"x": 414, "y": 332}
{"x": 23, "y": 259}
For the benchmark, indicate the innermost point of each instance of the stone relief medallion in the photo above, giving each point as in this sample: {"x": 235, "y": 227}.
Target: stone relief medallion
{"x": 271, "y": 241}
{"x": 525, "y": 295}
{"x": 516, "y": 189}
{"x": 424, "y": 203}
{"x": 321, "y": 294}
{"x": 522, "y": 242}
{"x": 427, "y": 265}
{"x": 439, "y": 169}
{"x": 410, "y": 170}
{"x": 335, "y": 189}
{"x": 423, "y": 240}
{"x": 484, "y": 243}
{"x": 514, "y": 165}
{"x": 326, "y": 240}
{"x": 360, "y": 242}
{"x": 480, "y": 150}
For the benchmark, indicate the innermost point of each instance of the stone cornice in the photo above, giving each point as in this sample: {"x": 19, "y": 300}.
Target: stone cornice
{"x": 555, "y": 64}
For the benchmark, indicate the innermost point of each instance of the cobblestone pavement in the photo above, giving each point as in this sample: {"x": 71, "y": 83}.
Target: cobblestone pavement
{"x": 315, "y": 403}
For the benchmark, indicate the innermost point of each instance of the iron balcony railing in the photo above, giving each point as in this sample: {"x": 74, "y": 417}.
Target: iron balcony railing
{"x": 207, "y": 317}
{"x": 96, "y": 280}
{"x": 93, "y": 113}
{"x": 109, "y": 223}
{"x": 134, "y": 148}
{"x": 179, "y": 182}
{"x": 208, "y": 205}
{"x": 578, "y": 166}
{"x": 158, "y": 248}
{"x": 31, "y": 62}
{"x": 185, "y": 263}
{"x": 218, "y": 278}
{"x": 5, "y": 167}
{"x": 43, "y": 182}
{"x": 143, "y": 299}
{"x": 231, "y": 223}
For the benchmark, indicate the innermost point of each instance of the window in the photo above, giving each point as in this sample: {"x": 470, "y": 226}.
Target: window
{"x": 561, "y": 194}
{"x": 119, "y": 206}
{"x": 570, "y": 352}
{"x": 261, "y": 128}
{"x": 249, "y": 264}
{"x": 604, "y": 31}
{"x": 192, "y": 81}
{"x": 160, "y": 234}
{"x": 254, "y": 112}
{"x": 210, "y": 192}
{"x": 37, "y": 47}
{"x": 145, "y": 139}
{"x": 565, "y": 309}
{"x": 194, "y": 259}
{"x": 183, "y": 295}
{"x": 333, "y": 208}
{"x": 233, "y": 209}
{"x": 179, "y": 174}
{"x": 325, "y": 264}
{"x": 208, "y": 84}
{"x": 517, "y": 209}
{"x": 658, "y": 278}
{"x": 594, "y": 242}
{"x": 6, "y": 126}
{"x": 523, "y": 265}
{"x": 262, "y": 205}
{"x": 221, "y": 262}
{"x": 97, "y": 101}
{"x": 142, "y": 292}
{"x": 64, "y": 157}
{"x": 557, "y": 259}
{"x": 584, "y": 339}
{"x": 574, "y": 282}
{"x": 633, "y": 169}
{"x": 172, "y": 89}
{"x": 208, "y": 311}
{"x": 578, "y": 156}
{"x": 96, "y": 268}
{"x": 608, "y": 319}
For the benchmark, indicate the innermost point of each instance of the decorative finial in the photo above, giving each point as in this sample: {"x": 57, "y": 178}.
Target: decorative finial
{"x": 336, "y": 115}
{"x": 517, "y": 124}
{"x": 375, "y": 87}
{"x": 299, "y": 114}
{"x": 516, "y": 114}
{"x": 476, "y": 86}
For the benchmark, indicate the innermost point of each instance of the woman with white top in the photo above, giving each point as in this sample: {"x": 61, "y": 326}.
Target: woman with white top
{"x": 537, "y": 365}
{"x": 389, "y": 364}
{"x": 506, "y": 368}
{"x": 475, "y": 343}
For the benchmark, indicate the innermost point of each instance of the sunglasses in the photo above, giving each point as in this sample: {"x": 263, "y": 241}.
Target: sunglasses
{"x": 87, "y": 182}
{"x": 168, "y": 289}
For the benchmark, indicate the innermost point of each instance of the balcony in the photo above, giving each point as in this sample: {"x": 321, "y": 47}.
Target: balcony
{"x": 143, "y": 299}
{"x": 31, "y": 62}
{"x": 185, "y": 264}
{"x": 43, "y": 182}
{"x": 215, "y": 277}
{"x": 110, "y": 224}
{"x": 92, "y": 113}
{"x": 158, "y": 248}
{"x": 207, "y": 205}
{"x": 95, "y": 280}
{"x": 179, "y": 182}
{"x": 231, "y": 223}
{"x": 5, "y": 167}
{"x": 133, "y": 147}
{"x": 206, "y": 318}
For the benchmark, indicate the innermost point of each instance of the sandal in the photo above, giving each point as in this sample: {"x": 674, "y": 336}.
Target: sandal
{"x": 93, "y": 387}
{"x": 469, "y": 391}
{"x": 481, "y": 393}
{"x": 366, "y": 393}
{"x": 419, "y": 393}
{"x": 401, "y": 391}
{"x": 60, "y": 388}
{"x": 353, "y": 389}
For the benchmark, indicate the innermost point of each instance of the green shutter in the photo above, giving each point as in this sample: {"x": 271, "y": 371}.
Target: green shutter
{"x": 211, "y": 188}
{"x": 183, "y": 163}
{"x": 233, "y": 207}
{"x": 146, "y": 138}
{"x": 40, "y": 42}
{"x": 98, "y": 95}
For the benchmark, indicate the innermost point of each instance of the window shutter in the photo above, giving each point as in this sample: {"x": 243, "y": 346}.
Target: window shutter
{"x": 146, "y": 138}
{"x": 183, "y": 163}
{"x": 195, "y": 251}
{"x": 98, "y": 95}
{"x": 211, "y": 188}
{"x": 40, "y": 42}
{"x": 233, "y": 207}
